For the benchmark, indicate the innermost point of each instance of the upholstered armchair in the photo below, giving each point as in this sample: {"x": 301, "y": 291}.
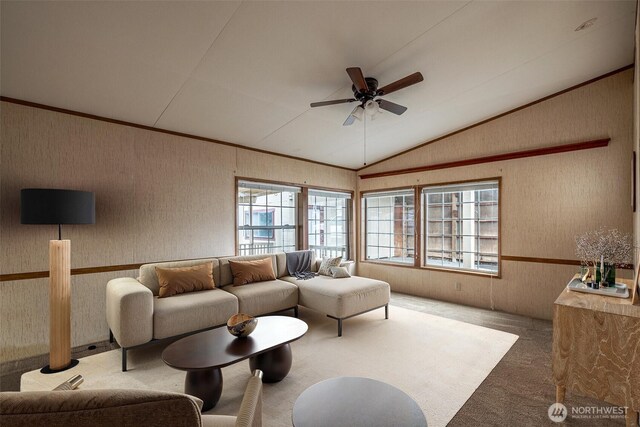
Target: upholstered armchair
{"x": 108, "y": 408}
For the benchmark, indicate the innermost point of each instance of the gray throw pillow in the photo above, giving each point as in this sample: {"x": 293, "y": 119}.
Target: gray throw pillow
{"x": 339, "y": 272}
{"x": 327, "y": 263}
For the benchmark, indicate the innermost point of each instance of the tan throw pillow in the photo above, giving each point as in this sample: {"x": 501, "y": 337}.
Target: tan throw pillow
{"x": 180, "y": 280}
{"x": 258, "y": 270}
{"x": 339, "y": 272}
{"x": 327, "y": 263}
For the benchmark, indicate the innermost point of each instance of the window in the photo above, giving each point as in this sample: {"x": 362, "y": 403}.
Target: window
{"x": 461, "y": 226}
{"x": 389, "y": 226}
{"x": 266, "y": 218}
{"x": 328, "y": 223}
{"x": 260, "y": 218}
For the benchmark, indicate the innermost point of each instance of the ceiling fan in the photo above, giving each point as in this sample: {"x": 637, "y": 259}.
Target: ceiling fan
{"x": 365, "y": 91}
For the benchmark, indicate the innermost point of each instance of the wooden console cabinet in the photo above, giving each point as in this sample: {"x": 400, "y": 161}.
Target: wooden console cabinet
{"x": 596, "y": 349}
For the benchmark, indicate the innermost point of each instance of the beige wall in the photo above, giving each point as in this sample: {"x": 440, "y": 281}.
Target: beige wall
{"x": 546, "y": 201}
{"x": 158, "y": 197}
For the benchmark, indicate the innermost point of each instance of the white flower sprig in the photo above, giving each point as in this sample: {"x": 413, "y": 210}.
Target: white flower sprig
{"x": 611, "y": 245}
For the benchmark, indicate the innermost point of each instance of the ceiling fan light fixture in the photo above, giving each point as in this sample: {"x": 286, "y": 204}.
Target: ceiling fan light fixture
{"x": 371, "y": 108}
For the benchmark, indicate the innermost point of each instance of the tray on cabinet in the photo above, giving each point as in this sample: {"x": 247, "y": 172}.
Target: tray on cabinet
{"x": 619, "y": 291}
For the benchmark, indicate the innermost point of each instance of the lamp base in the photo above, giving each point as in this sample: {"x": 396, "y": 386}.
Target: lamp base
{"x": 48, "y": 370}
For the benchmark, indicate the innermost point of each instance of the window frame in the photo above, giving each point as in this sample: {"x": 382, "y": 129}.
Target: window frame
{"x": 301, "y": 212}
{"x": 271, "y": 229}
{"x": 363, "y": 228}
{"x": 423, "y": 249}
{"x": 419, "y": 227}
{"x": 348, "y": 207}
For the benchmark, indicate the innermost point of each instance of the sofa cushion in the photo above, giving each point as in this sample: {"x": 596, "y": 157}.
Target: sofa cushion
{"x": 257, "y": 270}
{"x": 226, "y": 277}
{"x": 341, "y": 297}
{"x": 265, "y": 297}
{"x": 340, "y": 272}
{"x": 149, "y": 278}
{"x": 326, "y": 264}
{"x": 350, "y": 265}
{"x": 180, "y": 280}
{"x": 281, "y": 264}
{"x": 191, "y": 312}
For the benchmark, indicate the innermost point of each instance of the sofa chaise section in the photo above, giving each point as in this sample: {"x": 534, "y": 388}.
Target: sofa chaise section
{"x": 343, "y": 298}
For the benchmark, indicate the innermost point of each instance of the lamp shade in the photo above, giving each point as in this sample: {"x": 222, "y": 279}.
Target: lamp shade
{"x": 51, "y": 206}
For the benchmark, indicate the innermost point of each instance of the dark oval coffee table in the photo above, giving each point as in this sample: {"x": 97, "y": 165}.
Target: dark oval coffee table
{"x": 203, "y": 354}
{"x": 353, "y": 402}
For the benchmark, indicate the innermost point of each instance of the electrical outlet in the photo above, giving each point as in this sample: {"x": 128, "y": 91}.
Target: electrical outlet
{"x": 458, "y": 286}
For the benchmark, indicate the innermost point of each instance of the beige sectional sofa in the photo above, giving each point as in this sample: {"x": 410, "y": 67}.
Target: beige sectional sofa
{"x": 136, "y": 316}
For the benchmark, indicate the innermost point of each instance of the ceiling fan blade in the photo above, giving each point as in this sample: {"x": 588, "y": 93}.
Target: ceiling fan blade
{"x": 352, "y": 117}
{"x": 391, "y": 107}
{"x": 335, "y": 101}
{"x": 401, "y": 84}
{"x": 355, "y": 73}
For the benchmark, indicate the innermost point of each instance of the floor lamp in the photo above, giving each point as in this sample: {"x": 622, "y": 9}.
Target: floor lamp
{"x": 49, "y": 206}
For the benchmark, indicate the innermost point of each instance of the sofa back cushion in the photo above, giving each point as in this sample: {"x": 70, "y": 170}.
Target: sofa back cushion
{"x": 180, "y": 280}
{"x": 149, "y": 278}
{"x": 279, "y": 261}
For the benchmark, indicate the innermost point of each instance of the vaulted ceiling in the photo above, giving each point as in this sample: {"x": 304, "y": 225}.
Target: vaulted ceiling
{"x": 246, "y": 71}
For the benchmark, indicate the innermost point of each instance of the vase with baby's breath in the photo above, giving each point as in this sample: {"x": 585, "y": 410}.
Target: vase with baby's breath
{"x": 601, "y": 250}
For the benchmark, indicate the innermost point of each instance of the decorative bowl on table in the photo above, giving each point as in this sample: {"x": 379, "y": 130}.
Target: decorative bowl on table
{"x": 241, "y": 325}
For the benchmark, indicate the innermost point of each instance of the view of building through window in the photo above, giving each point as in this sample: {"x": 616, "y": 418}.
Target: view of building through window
{"x": 390, "y": 226}
{"x": 328, "y": 223}
{"x": 266, "y": 218}
{"x": 461, "y": 226}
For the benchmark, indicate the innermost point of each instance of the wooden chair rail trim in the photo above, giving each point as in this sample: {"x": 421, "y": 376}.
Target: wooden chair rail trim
{"x": 123, "y": 267}
{"x": 91, "y": 270}
{"x": 556, "y": 149}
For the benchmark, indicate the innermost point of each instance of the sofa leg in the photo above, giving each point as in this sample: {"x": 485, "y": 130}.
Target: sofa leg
{"x": 339, "y": 327}
{"x": 295, "y": 311}
{"x": 124, "y": 359}
{"x": 110, "y": 336}
{"x": 386, "y": 311}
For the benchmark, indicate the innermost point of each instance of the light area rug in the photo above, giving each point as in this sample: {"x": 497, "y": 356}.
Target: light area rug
{"x": 439, "y": 362}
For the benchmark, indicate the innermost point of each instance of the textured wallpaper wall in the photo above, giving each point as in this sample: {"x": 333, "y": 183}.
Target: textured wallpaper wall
{"x": 546, "y": 200}
{"x": 158, "y": 197}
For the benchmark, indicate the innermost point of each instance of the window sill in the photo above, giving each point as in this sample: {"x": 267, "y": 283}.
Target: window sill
{"x": 389, "y": 263}
{"x": 497, "y": 275}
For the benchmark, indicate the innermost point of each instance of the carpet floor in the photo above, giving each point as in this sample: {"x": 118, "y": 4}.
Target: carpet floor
{"x": 439, "y": 362}
{"x": 520, "y": 388}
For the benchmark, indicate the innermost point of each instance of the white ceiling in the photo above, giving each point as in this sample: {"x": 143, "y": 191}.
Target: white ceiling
{"x": 245, "y": 72}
